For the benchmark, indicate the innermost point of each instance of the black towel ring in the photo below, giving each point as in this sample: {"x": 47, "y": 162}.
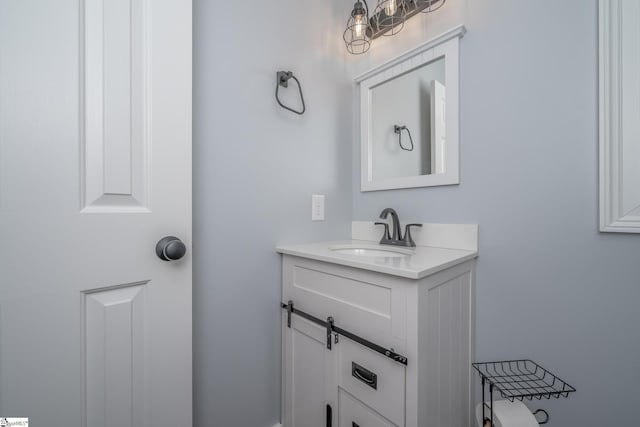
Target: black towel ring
{"x": 398, "y": 130}
{"x": 282, "y": 79}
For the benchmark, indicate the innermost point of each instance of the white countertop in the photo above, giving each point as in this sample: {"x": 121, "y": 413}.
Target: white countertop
{"x": 423, "y": 260}
{"x": 439, "y": 246}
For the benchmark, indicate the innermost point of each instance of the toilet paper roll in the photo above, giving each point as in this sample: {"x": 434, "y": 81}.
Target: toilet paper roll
{"x": 508, "y": 414}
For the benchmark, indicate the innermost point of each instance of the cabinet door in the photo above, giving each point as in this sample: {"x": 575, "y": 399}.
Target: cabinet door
{"x": 309, "y": 375}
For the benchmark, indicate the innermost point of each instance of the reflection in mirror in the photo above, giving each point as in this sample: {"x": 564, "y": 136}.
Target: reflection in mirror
{"x": 407, "y": 123}
{"x": 409, "y": 118}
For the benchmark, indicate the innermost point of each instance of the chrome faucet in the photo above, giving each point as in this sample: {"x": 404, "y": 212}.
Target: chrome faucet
{"x": 396, "y": 237}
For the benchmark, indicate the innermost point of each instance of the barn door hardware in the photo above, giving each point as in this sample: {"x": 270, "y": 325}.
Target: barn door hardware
{"x": 332, "y": 328}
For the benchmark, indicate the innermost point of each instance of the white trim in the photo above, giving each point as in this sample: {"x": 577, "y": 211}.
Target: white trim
{"x": 455, "y": 32}
{"x": 612, "y": 127}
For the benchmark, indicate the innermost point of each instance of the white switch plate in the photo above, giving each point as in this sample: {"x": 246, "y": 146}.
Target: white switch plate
{"x": 317, "y": 207}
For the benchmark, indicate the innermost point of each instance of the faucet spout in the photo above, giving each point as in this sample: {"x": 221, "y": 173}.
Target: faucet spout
{"x": 396, "y": 233}
{"x": 396, "y": 237}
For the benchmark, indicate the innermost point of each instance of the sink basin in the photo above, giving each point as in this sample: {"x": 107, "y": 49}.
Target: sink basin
{"x": 372, "y": 251}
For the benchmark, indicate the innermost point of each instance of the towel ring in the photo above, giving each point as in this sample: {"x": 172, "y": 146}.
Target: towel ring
{"x": 398, "y": 130}
{"x": 282, "y": 79}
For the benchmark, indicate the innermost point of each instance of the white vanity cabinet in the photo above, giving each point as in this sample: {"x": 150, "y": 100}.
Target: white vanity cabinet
{"x": 429, "y": 320}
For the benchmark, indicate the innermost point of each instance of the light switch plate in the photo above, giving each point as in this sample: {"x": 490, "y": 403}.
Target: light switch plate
{"x": 317, "y": 207}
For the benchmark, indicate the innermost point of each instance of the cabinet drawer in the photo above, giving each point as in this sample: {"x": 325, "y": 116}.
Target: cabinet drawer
{"x": 377, "y": 381}
{"x": 353, "y": 413}
{"x": 365, "y": 303}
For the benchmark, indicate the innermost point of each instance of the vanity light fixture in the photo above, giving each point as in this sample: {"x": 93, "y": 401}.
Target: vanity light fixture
{"x": 388, "y": 19}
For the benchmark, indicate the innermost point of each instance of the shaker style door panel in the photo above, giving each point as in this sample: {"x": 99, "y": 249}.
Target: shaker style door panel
{"x": 116, "y": 107}
{"x": 308, "y": 375}
{"x": 359, "y": 301}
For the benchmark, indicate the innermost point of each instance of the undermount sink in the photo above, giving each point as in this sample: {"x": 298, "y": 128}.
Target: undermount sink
{"x": 370, "y": 250}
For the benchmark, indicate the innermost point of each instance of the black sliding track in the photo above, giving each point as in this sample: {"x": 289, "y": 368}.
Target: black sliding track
{"x": 331, "y": 328}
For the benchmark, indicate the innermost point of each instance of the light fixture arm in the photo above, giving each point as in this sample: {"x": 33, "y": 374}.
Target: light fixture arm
{"x": 358, "y": 8}
{"x": 366, "y": 7}
{"x": 411, "y": 8}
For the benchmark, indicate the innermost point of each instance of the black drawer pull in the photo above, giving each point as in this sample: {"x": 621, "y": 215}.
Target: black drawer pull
{"x": 364, "y": 375}
{"x": 329, "y": 415}
{"x": 353, "y": 424}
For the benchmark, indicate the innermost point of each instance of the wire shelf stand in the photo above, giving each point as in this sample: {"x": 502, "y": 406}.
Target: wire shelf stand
{"x": 519, "y": 379}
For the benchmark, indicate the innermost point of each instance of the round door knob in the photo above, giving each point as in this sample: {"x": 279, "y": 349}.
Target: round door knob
{"x": 170, "y": 248}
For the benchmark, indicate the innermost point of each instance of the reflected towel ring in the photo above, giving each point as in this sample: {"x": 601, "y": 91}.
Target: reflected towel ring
{"x": 398, "y": 129}
{"x": 282, "y": 79}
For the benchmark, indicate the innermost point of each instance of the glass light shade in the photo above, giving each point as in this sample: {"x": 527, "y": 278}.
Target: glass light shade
{"x": 390, "y": 14}
{"x": 391, "y": 7}
{"x": 360, "y": 25}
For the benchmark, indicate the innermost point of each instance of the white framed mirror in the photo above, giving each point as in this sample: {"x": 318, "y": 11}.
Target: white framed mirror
{"x": 409, "y": 118}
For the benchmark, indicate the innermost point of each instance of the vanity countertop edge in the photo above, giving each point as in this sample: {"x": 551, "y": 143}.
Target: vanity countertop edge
{"x": 439, "y": 246}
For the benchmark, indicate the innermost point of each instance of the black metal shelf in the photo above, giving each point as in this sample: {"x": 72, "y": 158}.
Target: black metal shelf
{"x": 519, "y": 379}
{"x": 522, "y": 379}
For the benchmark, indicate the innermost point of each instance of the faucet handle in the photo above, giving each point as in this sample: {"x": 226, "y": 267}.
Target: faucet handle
{"x": 386, "y": 235}
{"x": 407, "y": 234}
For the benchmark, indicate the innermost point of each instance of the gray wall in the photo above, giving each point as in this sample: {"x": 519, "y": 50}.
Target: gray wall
{"x": 549, "y": 286}
{"x": 255, "y": 168}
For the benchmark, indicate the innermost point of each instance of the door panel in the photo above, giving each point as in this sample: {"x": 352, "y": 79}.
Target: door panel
{"x": 309, "y": 375}
{"x": 95, "y": 168}
{"x": 114, "y": 349}
{"x": 116, "y": 105}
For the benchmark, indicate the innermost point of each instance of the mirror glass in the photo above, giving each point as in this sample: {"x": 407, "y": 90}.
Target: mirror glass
{"x": 408, "y": 123}
{"x": 409, "y": 118}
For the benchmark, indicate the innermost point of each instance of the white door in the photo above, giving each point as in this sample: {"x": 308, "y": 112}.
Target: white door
{"x": 438, "y": 126}
{"x": 95, "y": 158}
